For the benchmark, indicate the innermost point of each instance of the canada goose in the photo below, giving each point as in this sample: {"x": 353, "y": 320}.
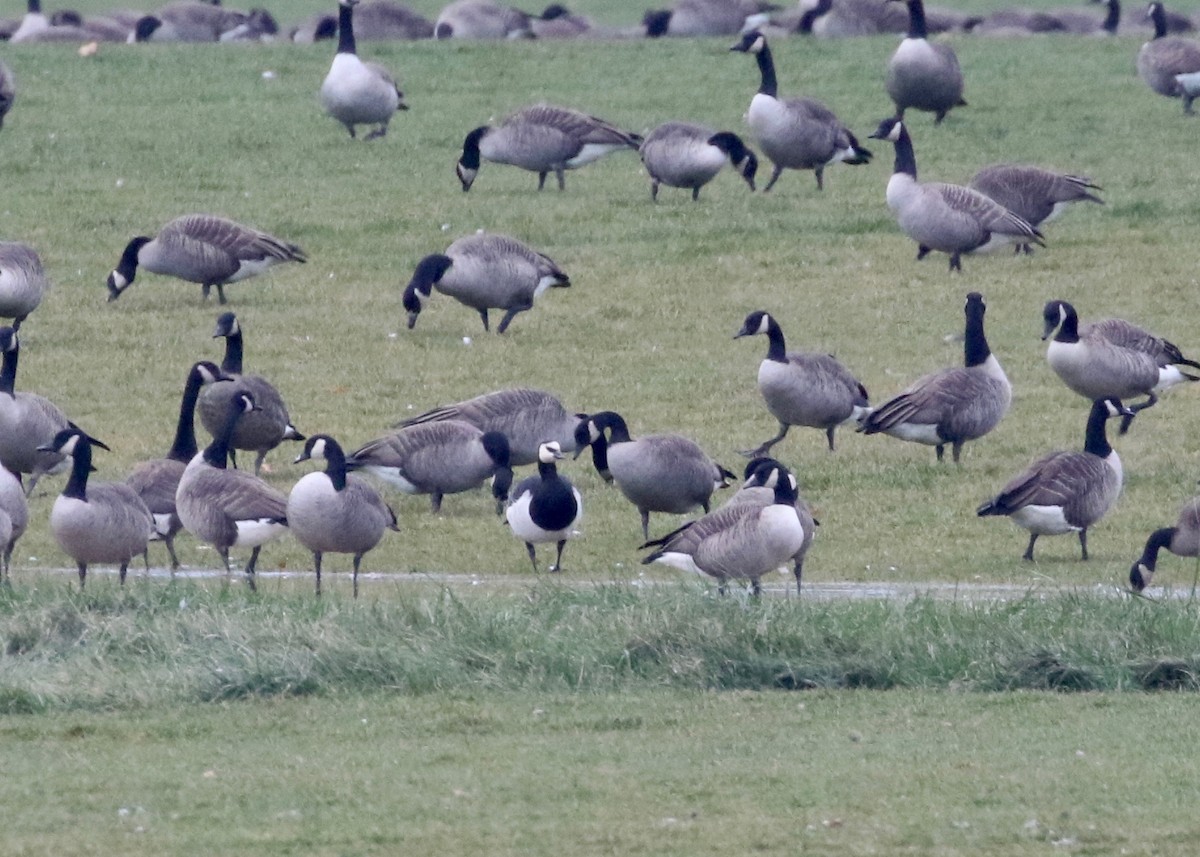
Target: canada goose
{"x": 27, "y": 421}
{"x": 439, "y": 458}
{"x": 187, "y": 21}
{"x": 951, "y": 406}
{"x": 794, "y": 133}
{"x": 23, "y": 283}
{"x": 204, "y": 249}
{"x": 334, "y": 512}
{"x": 1164, "y": 57}
{"x": 525, "y": 416}
{"x": 949, "y": 218}
{"x": 14, "y": 517}
{"x": 922, "y": 75}
{"x": 261, "y": 430}
{"x": 656, "y": 473}
{"x": 102, "y": 522}
{"x": 484, "y": 272}
{"x": 157, "y": 480}
{"x": 387, "y": 20}
{"x": 1066, "y": 492}
{"x": 758, "y": 489}
{"x": 8, "y": 91}
{"x": 682, "y": 154}
{"x": 697, "y": 18}
{"x": 32, "y": 22}
{"x": 480, "y": 19}
{"x": 546, "y": 507}
{"x": 741, "y": 541}
{"x": 542, "y": 139}
{"x": 802, "y": 388}
{"x": 230, "y": 508}
{"x": 357, "y": 92}
{"x": 1183, "y": 539}
{"x": 1036, "y": 195}
{"x": 1111, "y": 358}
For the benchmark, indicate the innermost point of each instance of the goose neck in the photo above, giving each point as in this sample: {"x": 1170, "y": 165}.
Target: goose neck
{"x": 1158, "y": 540}
{"x": 1159, "y": 16}
{"x": 776, "y": 347}
{"x": 216, "y": 454}
{"x": 8, "y": 371}
{"x": 335, "y": 465}
{"x": 184, "y": 447}
{"x": 1112, "y": 18}
{"x": 975, "y": 344}
{"x": 81, "y": 466}
{"x": 1096, "y": 439}
{"x": 346, "y": 29}
{"x": 906, "y": 156}
{"x": 916, "y": 20}
{"x": 231, "y": 364}
{"x": 766, "y": 67}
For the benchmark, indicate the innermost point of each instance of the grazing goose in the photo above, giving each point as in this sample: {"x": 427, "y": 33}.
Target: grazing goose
{"x": 1065, "y": 492}
{"x": 758, "y": 489}
{"x": 335, "y": 512}
{"x": 357, "y": 92}
{"x": 682, "y": 154}
{"x": 230, "y": 508}
{"x": 657, "y": 473}
{"x": 699, "y": 18}
{"x": 1036, "y": 195}
{"x": 802, "y": 388}
{"x": 27, "y": 421}
{"x": 954, "y": 405}
{"x": 546, "y": 507}
{"x": 741, "y": 541}
{"x": 1111, "y": 358}
{"x": 525, "y": 416}
{"x": 794, "y": 133}
{"x": 1164, "y": 57}
{"x": 543, "y": 139}
{"x": 949, "y": 218}
{"x": 1183, "y": 539}
{"x": 157, "y": 480}
{"x": 23, "y": 283}
{"x": 261, "y": 430}
{"x": 14, "y": 517}
{"x": 484, "y": 272}
{"x": 439, "y": 458}
{"x": 204, "y": 249}
{"x": 8, "y": 91}
{"x": 922, "y": 75}
{"x": 481, "y": 19}
{"x": 102, "y": 522}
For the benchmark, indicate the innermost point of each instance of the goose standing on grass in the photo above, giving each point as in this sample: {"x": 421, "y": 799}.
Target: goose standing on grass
{"x": 1183, "y": 539}
{"x": 102, "y": 522}
{"x": 682, "y": 154}
{"x": 949, "y": 218}
{"x": 204, "y": 249}
{"x": 922, "y": 75}
{"x": 1111, "y": 358}
{"x": 157, "y": 480}
{"x": 334, "y": 512}
{"x": 952, "y": 406}
{"x": 1032, "y": 193}
{"x": 261, "y": 430}
{"x": 1066, "y": 492}
{"x": 1165, "y": 57}
{"x": 439, "y": 458}
{"x": 758, "y": 489}
{"x": 802, "y": 388}
{"x": 740, "y": 541}
{"x": 794, "y": 133}
{"x": 527, "y": 417}
{"x": 23, "y": 283}
{"x": 543, "y": 139}
{"x": 546, "y": 507}
{"x": 230, "y": 508}
{"x": 656, "y": 473}
{"x": 27, "y": 421}
{"x": 8, "y": 91}
{"x": 357, "y": 92}
{"x": 14, "y": 517}
{"x": 484, "y": 272}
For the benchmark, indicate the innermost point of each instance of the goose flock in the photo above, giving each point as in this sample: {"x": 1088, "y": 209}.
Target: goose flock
{"x": 766, "y": 523}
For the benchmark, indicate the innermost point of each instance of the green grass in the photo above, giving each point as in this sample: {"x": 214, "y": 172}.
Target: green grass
{"x": 97, "y": 151}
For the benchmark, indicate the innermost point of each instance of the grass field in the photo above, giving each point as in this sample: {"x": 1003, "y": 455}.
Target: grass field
{"x": 99, "y": 743}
